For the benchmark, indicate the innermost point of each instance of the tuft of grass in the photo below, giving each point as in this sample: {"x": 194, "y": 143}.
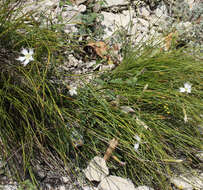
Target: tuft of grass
{"x": 38, "y": 116}
{"x": 170, "y": 143}
{"x": 30, "y": 117}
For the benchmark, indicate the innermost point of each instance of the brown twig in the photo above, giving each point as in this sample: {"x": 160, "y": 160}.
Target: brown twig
{"x": 112, "y": 145}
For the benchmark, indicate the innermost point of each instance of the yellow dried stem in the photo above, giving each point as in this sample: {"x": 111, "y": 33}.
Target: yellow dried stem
{"x": 112, "y": 145}
{"x": 117, "y": 160}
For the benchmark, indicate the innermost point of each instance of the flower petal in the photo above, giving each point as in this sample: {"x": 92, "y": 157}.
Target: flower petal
{"x": 73, "y": 90}
{"x": 31, "y": 51}
{"x": 31, "y": 59}
{"x": 182, "y": 89}
{"x": 136, "y": 146}
{"x": 137, "y": 138}
{"x": 24, "y": 51}
{"x": 188, "y": 90}
{"x": 187, "y": 85}
{"x": 25, "y": 62}
{"x": 21, "y": 59}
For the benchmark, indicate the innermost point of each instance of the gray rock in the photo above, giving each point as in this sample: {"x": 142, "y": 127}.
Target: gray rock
{"x": 116, "y": 2}
{"x": 189, "y": 181}
{"x": 181, "y": 184}
{"x": 62, "y": 187}
{"x": 200, "y": 156}
{"x": 161, "y": 11}
{"x": 8, "y": 187}
{"x": 114, "y": 22}
{"x": 144, "y": 12}
{"x": 116, "y": 183}
{"x": 65, "y": 179}
{"x": 143, "y": 188}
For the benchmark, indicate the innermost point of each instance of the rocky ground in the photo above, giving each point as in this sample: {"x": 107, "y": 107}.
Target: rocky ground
{"x": 139, "y": 22}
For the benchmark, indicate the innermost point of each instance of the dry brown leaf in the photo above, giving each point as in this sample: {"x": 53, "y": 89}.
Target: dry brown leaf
{"x": 112, "y": 145}
{"x": 100, "y": 48}
{"x": 168, "y": 39}
{"x": 117, "y": 160}
{"x": 198, "y": 20}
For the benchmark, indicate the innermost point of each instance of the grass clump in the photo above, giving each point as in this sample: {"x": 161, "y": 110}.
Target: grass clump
{"x": 38, "y": 117}
{"x": 150, "y": 86}
{"x": 29, "y": 99}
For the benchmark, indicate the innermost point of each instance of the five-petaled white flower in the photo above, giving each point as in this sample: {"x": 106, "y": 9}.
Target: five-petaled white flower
{"x": 186, "y": 88}
{"x": 72, "y": 90}
{"x": 136, "y": 145}
{"x": 27, "y": 56}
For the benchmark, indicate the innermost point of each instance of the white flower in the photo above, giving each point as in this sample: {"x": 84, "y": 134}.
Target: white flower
{"x": 136, "y": 145}
{"x": 186, "y": 88}
{"x": 27, "y": 56}
{"x": 73, "y": 90}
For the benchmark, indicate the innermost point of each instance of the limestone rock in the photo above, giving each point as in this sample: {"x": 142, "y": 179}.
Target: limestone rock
{"x": 116, "y": 2}
{"x": 188, "y": 182}
{"x": 112, "y": 21}
{"x": 200, "y": 156}
{"x": 89, "y": 188}
{"x": 181, "y": 184}
{"x": 96, "y": 170}
{"x": 161, "y": 11}
{"x": 144, "y": 188}
{"x": 9, "y": 187}
{"x": 62, "y": 187}
{"x": 116, "y": 183}
{"x": 144, "y": 12}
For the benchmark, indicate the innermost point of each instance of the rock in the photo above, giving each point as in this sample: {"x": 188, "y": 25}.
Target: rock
{"x": 144, "y": 23}
{"x": 115, "y": 2}
{"x": 73, "y": 15}
{"x": 181, "y": 184}
{"x": 107, "y": 67}
{"x": 200, "y": 156}
{"x": 65, "y": 179}
{"x": 188, "y": 182}
{"x": 62, "y": 187}
{"x": 190, "y": 3}
{"x": 161, "y": 11}
{"x": 143, "y": 12}
{"x": 78, "y": 2}
{"x": 116, "y": 183}
{"x": 183, "y": 27}
{"x": 8, "y": 187}
{"x": 90, "y": 64}
{"x": 48, "y": 186}
{"x": 45, "y": 6}
{"x": 89, "y": 188}
{"x": 73, "y": 61}
{"x": 96, "y": 170}
{"x": 143, "y": 188}
{"x": 113, "y": 22}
